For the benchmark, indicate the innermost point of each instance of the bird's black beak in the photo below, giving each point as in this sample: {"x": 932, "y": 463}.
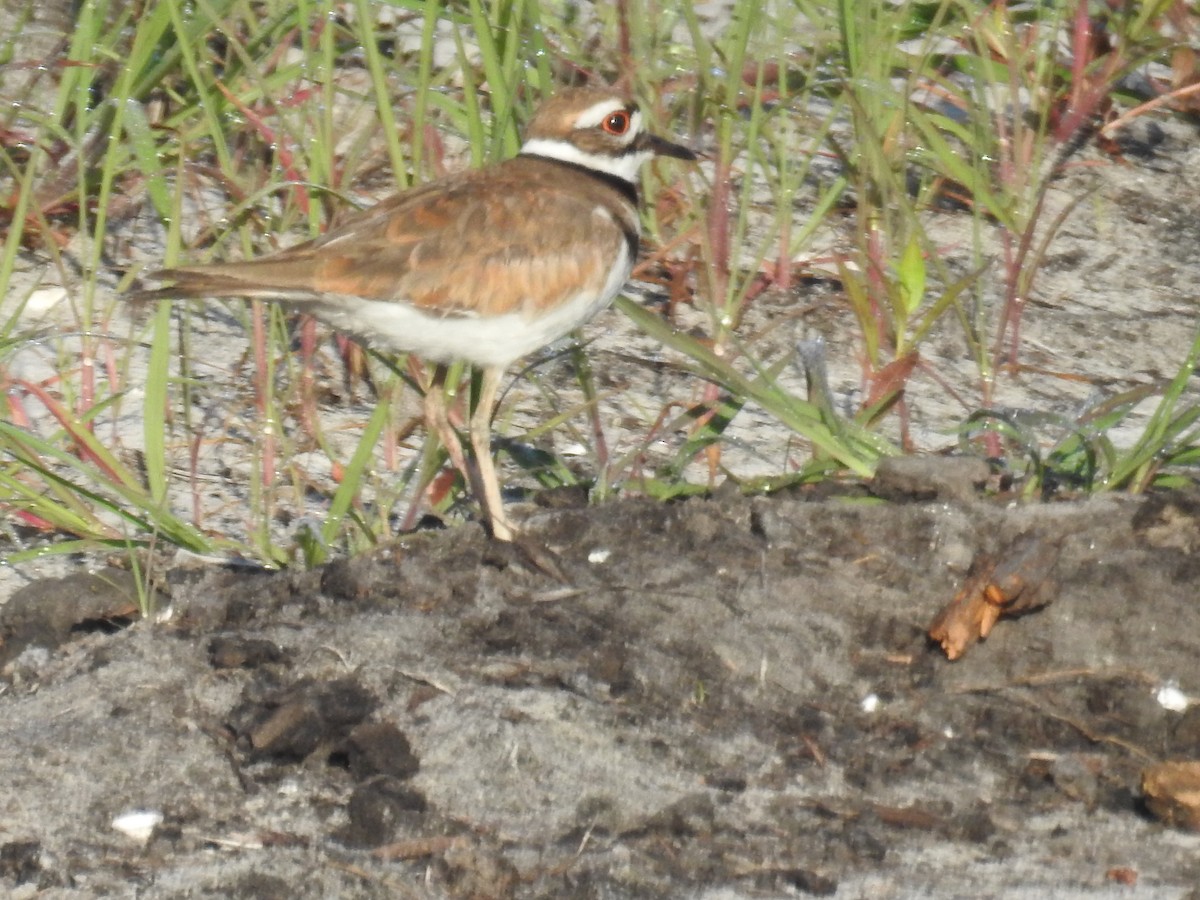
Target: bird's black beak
{"x": 662, "y": 147}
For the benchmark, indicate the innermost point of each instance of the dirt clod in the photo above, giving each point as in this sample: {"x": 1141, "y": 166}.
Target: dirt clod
{"x": 47, "y": 613}
{"x": 925, "y": 478}
{"x": 20, "y": 861}
{"x": 379, "y": 748}
{"x": 237, "y": 652}
{"x": 289, "y": 724}
{"x": 379, "y": 809}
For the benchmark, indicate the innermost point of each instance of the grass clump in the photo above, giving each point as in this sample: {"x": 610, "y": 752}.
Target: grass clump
{"x": 838, "y": 137}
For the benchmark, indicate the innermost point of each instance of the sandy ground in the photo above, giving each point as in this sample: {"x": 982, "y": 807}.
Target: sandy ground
{"x": 722, "y": 698}
{"x": 738, "y": 702}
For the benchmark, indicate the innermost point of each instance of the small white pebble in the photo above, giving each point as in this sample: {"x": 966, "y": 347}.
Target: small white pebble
{"x": 948, "y": 733}
{"x": 870, "y": 703}
{"x": 599, "y": 555}
{"x": 138, "y": 824}
{"x": 44, "y": 299}
{"x": 1170, "y": 697}
{"x": 289, "y": 787}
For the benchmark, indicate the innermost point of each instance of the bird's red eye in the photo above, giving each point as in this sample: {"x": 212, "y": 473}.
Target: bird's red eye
{"x": 618, "y": 123}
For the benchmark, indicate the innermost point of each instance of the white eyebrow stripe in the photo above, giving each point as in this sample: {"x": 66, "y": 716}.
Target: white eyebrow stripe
{"x": 625, "y": 166}
{"x": 598, "y": 112}
{"x": 635, "y": 126}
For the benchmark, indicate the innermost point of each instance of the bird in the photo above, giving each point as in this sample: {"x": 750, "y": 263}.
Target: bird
{"x": 483, "y": 266}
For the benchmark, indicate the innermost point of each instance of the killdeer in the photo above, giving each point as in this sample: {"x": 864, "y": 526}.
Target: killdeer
{"x": 484, "y": 266}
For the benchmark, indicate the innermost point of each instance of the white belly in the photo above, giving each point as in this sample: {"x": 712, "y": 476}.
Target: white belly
{"x": 494, "y": 341}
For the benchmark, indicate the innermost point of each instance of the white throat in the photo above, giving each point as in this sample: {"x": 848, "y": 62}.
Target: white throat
{"x": 624, "y": 167}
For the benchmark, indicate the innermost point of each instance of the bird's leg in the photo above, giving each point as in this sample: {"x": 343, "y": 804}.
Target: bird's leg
{"x": 481, "y": 477}
{"x": 438, "y": 420}
{"x": 488, "y": 491}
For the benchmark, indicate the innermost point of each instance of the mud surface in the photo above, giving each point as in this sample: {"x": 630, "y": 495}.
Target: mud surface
{"x": 716, "y": 698}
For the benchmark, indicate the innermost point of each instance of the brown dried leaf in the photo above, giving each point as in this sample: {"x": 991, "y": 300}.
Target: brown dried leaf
{"x": 1172, "y": 792}
{"x": 417, "y": 848}
{"x": 1011, "y": 583}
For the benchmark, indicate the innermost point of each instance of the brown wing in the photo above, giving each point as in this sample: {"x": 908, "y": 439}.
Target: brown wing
{"x": 512, "y": 237}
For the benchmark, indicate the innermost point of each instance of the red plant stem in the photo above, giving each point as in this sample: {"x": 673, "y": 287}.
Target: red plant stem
{"x": 1090, "y": 91}
{"x": 783, "y": 264}
{"x": 111, "y": 370}
{"x": 1081, "y": 55}
{"x": 712, "y": 453}
{"x": 876, "y": 292}
{"x": 72, "y": 425}
{"x": 902, "y": 413}
{"x": 718, "y": 231}
{"x": 87, "y": 383}
{"x": 308, "y": 402}
{"x": 15, "y": 410}
{"x": 283, "y": 152}
{"x": 638, "y": 463}
{"x": 262, "y": 392}
{"x": 194, "y": 481}
{"x": 1012, "y": 301}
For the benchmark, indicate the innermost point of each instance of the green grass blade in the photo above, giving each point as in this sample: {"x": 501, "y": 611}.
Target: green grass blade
{"x": 799, "y": 415}
{"x": 348, "y": 490}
